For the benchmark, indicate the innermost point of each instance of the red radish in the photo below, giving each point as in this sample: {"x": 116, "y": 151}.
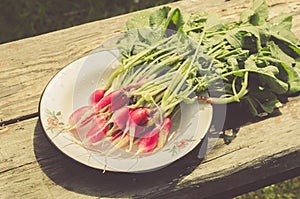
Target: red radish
{"x": 148, "y": 142}
{"x": 96, "y": 96}
{"x": 136, "y": 117}
{"x": 120, "y": 117}
{"x": 140, "y": 130}
{"x": 77, "y": 115}
{"x": 98, "y": 130}
{"x": 104, "y": 102}
{"x": 164, "y": 132}
{"x": 116, "y": 99}
{"x": 79, "y": 119}
{"x": 140, "y": 116}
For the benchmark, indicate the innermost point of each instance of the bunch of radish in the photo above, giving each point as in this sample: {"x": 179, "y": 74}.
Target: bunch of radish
{"x": 141, "y": 97}
{"x": 112, "y": 116}
{"x": 135, "y": 108}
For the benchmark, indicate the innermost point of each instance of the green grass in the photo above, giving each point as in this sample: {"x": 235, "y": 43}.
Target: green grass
{"x": 288, "y": 189}
{"x": 25, "y": 18}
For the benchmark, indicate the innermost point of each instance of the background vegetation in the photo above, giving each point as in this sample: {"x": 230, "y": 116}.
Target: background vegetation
{"x": 25, "y": 18}
{"x": 288, "y": 189}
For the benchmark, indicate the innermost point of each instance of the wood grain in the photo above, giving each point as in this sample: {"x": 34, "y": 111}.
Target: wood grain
{"x": 27, "y": 65}
{"x": 31, "y": 167}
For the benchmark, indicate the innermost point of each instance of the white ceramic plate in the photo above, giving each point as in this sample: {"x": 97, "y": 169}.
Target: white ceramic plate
{"x": 70, "y": 89}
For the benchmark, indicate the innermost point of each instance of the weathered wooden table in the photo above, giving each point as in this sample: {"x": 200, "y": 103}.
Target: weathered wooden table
{"x": 263, "y": 152}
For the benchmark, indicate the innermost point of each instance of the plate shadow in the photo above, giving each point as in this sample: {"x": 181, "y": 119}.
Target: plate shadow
{"x": 76, "y": 177}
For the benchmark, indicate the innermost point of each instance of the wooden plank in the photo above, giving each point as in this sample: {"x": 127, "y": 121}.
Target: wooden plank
{"x": 27, "y": 65}
{"x": 31, "y": 167}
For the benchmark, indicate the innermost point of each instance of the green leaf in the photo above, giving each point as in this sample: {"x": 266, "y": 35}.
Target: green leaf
{"x": 159, "y": 17}
{"x": 149, "y": 26}
{"x": 140, "y": 20}
{"x": 177, "y": 20}
{"x": 214, "y": 23}
{"x": 254, "y": 37}
{"x": 267, "y": 75}
{"x": 292, "y": 76}
{"x": 279, "y": 54}
{"x": 252, "y": 105}
{"x": 267, "y": 100}
{"x": 234, "y": 38}
{"x": 261, "y": 12}
{"x": 276, "y": 85}
{"x": 270, "y": 105}
{"x": 296, "y": 49}
{"x": 251, "y": 43}
{"x": 282, "y": 21}
{"x": 174, "y": 20}
{"x": 293, "y": 79}
{"x": 194, "y": 22}
{"x": 269, "y": 70}
{"x": 246, "y": 15}
{"x": 286, "y": 45}
{"x": 261, "y": 99}
{"x": 150, "y": 36}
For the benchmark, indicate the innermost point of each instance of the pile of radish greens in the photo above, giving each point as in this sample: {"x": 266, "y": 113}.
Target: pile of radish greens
{"x": 169, "y": 58}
